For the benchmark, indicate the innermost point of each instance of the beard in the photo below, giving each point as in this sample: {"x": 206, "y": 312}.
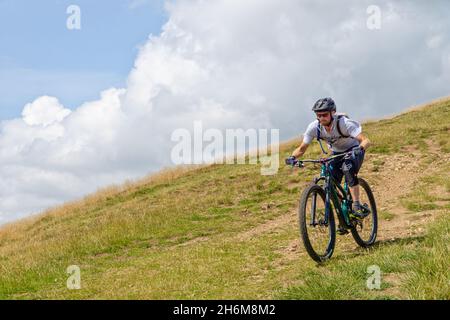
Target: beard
{"x": 327, "y": 123}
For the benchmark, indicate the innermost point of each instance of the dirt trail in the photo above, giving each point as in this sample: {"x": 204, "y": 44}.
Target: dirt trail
{"x": 394, "y": 180}
{"x": 397, "y": 177}
{"x": 267, "y": 226}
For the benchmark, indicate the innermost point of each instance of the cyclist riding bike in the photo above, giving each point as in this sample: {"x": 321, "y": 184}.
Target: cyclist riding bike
{"x": 342, "y": 135}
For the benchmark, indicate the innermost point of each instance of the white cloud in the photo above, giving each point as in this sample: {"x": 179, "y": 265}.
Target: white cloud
{"x": 44, "y": 111}
{"x": 231, "y": 64}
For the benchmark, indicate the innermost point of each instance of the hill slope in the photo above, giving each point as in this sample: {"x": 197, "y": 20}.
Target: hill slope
{"x": 225, "y": 231}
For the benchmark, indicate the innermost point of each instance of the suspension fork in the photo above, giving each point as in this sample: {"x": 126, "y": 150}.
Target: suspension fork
{"x": 328, "y": 209}
{"x": 313, "y": 210}
{"x": 326, "y": 175}
{"x": 313, "y": 207}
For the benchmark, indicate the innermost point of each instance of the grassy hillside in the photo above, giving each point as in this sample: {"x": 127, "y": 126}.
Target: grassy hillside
{"x": 225, "y": 231}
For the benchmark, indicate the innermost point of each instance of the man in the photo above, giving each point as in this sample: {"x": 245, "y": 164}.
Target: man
{"x": 342, "y": 135}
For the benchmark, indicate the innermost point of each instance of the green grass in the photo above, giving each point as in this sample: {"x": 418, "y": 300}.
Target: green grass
{"x": 418, "y": 207}
{"x": 386, "y": 215}
{"x": 419, "y": 263}
{"x": 429, "y": 190}
{"x": 225, "y": 231}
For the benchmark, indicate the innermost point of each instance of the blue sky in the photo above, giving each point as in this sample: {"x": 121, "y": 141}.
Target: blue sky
{"x": 40, "y": 56}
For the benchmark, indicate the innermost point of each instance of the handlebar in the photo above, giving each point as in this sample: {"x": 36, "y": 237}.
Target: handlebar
{"x": 300, "y": 163}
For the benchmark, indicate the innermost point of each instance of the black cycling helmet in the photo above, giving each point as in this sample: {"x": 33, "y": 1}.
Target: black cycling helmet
{"x": 325, "y": 104}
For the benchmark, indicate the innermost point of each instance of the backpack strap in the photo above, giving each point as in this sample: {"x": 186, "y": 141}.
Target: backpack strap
{"x": 320, "y": 138}
{"x": 338, "y": 126}
{"x": 318, "y": 132}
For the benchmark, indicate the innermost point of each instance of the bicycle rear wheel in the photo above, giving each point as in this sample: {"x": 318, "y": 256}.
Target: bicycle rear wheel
{"x": 365, "y": 232}
{"x": 318, "y": 238}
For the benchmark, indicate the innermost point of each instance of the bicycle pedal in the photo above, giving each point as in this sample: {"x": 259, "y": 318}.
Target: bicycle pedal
{"x": 353, "y": 217}
{"x": 358, "y": 216}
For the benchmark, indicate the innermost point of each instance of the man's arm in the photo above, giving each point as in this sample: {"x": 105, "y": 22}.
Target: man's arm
{"x": 300, "y": 150}
{"x": 364, "y": 142}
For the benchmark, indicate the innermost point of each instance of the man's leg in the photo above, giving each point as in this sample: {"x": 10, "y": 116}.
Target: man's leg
{"x": 354, "y": 191}
{"x": 351, "y": 167}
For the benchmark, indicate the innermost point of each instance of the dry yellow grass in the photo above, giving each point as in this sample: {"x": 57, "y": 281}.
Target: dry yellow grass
{"x": 200, "y": 231}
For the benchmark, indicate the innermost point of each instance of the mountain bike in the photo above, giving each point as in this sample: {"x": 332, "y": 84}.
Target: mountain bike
{"x": 316, "y": 218}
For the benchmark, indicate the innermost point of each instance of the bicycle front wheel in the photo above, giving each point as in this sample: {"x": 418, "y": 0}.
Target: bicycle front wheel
{"x": 318, "y": 235}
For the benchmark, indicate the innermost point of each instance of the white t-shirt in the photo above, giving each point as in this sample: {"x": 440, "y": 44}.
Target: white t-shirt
{"x": 334, "y": 141}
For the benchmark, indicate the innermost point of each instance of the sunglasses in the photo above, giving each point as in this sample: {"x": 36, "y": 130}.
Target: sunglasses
{"x": 322, "y": 115}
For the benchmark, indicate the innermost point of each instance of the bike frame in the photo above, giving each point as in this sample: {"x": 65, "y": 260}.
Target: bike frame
{"x": 334, "y": 194}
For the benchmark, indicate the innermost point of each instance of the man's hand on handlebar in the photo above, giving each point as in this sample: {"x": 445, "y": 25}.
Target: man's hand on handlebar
{"x": 290, "y": 161}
